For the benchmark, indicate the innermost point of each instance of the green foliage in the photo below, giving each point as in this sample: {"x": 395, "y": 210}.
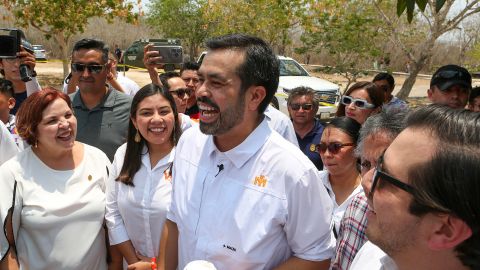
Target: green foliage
{"x": 409, "y": 5}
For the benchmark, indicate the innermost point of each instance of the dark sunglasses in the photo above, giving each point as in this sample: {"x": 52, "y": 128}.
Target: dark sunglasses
{"x": 359, "y": 103}
{"x": 181, "y": 92}
{"x": 332, "y": 147}
{"x": 76, "y": 67}
{"x": 305, "y": 107}
{"x": 379, "y": 173}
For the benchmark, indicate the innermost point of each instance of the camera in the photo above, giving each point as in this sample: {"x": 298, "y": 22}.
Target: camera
{"x": 171, "y": 54}
{"x": 10, "y": 41}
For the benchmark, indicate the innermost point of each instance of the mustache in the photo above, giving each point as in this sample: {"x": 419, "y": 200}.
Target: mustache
{"x": 208, "y": 101}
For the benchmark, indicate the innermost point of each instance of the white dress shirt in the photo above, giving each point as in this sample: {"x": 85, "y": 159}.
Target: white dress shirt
{"x": 129, "y": 86}
{"x": 279, "y": 122}
{"x": 8, "y": 147}
{"x": 186, "y": 122}
{"x": 252, "y": 207}
{"x": 338, "y": 210}
{"x": 58, "y": 215}
{"x": 137, "y": 213}
{"x": 371, "y": 257}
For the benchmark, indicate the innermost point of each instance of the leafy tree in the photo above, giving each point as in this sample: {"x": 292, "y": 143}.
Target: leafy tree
{"x": 409, "y": 6}
{"x": 183, "y": 19}
{"x": 62, "y": 19}
{"x": 349, "y": 31}
{"x": 437, "y": 22}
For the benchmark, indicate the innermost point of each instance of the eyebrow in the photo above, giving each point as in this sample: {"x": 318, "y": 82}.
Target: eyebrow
{"x": 214, "y": 75}
{"x": 146, "y": 109}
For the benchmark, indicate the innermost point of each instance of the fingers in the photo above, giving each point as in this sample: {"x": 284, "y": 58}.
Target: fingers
{"x": 151, "y": 58}
{"x": 27, "y": 58}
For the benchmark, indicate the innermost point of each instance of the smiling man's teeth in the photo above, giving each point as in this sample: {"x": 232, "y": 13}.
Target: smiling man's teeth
{"x": 206, "y": 108}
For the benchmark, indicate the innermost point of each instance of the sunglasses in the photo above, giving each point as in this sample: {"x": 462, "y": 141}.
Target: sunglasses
{"x": 95, "y": 69}
{"x": 379, "y": 173}
{"x": 305, "y": 107}
{"x": 181, "y": 92}
{"x": 359, "y": 103}
{"x": 333, "y": 148}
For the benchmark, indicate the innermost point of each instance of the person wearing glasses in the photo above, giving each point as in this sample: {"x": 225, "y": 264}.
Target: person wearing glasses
{"x": 340, "y": 175}
{"x": 302, "y": 107}
{"x": 52, "y": 194}
{"x": 450, "y": 85}
{"x": 360, "y": 101}
{"x": 102, "y": 112}
{"x": 139, "y": 188}
{"x": 177, "y": 87}
{"x": 386, "y": 82}
{"x": 423, "y": 209}
{"x": 376, "y": 134}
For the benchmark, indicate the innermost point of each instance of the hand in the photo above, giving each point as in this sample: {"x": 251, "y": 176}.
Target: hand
{"x": 150, "y": 58}
{"x": 26, "y": 58}
{"x": 140, "y": 266}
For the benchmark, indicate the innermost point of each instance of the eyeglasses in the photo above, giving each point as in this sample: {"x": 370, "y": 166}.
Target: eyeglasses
{"x": 379, "y": 173}
{"x": 95, "y": 69}
{"x": 181, "y": 92}
{"x": 333, "y": 148}
{"x": 359, "y": 103}
{"x": 305, "y": 107}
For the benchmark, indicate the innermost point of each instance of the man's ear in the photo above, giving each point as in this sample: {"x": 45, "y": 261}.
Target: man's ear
{"x": 448, "y": 232}
{"x": 255, "y": 95}
{"x": 430, "y": 93}
{"x": 11, "y": 103}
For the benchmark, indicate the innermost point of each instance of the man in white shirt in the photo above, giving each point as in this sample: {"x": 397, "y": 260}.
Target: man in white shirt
{"x": 423, "y": 197}
{"x": 242, "y": 195}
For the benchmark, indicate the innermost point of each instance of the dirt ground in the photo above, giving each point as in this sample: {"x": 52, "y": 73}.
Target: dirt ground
{"x": 51, "y": 74}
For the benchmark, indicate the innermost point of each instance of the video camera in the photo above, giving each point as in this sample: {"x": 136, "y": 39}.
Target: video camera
{"x": 11, "y": 41}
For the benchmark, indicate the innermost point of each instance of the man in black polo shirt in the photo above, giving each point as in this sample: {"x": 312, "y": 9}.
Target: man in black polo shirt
{"x": 102, "y": 112}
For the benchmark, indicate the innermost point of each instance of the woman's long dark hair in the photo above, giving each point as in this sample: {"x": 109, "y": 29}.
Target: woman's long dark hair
{"x": 133, "y": 154}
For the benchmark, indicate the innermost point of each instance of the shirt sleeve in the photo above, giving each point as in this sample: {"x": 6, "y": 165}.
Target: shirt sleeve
{"x": 8, "y": 202}
{"x": 8, "y": 147}
{"x": 308, "y": 229}
{"x": 116, "y": 228}
{"x": 32, "y": 86}
{"x": 289, "y": 132}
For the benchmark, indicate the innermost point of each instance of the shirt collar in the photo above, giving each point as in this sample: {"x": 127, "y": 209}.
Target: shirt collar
{"x": 107, "y": 101}
{"x": 245, "y": 150}
{"x": 165, "y": 160}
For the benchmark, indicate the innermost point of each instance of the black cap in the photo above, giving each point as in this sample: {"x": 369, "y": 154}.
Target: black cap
{"x": 450, "y": 75}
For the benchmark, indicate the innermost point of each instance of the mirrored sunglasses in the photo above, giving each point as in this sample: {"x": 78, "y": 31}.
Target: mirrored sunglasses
{"x": 359, "y": 103}
{"x": 95, "y": 69}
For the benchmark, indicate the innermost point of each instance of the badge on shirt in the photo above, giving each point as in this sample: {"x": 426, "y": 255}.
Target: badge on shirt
{"x": 312, "y": 147}
{"x": 260, "y": 181}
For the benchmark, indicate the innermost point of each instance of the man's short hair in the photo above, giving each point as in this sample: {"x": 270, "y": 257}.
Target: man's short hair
{"x": 6, "y": 88}
{"x": 164, "y": 77}
{"x": 385, "y": 76}
{"x": 449, "y": 182}
{"x": 450, "y": 75}
{"x": 304, "y": 91}
{"x": 189, "y": 66}
{"x": 474, "y": 94}
{"x": 389, "y": 122}
{"x": 92, "y": 44}
{"x": 260, "y": 66}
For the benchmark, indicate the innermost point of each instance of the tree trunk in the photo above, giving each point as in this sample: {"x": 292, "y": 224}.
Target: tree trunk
{"x": 62, "y": 42}
{"x": 407, "y": 86}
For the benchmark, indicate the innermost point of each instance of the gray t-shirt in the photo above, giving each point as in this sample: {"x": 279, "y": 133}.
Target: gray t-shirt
{"x": 106, "y": 125}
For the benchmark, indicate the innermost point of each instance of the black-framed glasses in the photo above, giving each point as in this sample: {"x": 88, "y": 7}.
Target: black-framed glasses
{"x": 181, "y": 92}
{"x": 333, "y": 148}
{"x": 305, "y": 107}
{"x": 95, "y": 69}
{"x": 358, "y": 102}
{"x": 379, "y": 173}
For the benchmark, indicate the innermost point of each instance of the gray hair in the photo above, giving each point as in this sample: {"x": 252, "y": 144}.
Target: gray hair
{"x": 391, "y": 123}
{"x": 304, "y": 91}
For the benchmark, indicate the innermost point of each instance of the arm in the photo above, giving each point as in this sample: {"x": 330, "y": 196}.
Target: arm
{"x": 10, "y": 261}
{"x": 168, "y": 254}
{"x": 295, "y": 263}
{"x": 28, "y": 59}
{"x": 150, "y": 58}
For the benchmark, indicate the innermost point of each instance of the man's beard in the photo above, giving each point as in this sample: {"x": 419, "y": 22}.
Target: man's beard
{"x": 227, "y": 119}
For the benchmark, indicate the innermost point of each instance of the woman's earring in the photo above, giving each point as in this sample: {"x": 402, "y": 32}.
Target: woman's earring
{"x": 36, "y": 144}
{"x": 137, "y": 138}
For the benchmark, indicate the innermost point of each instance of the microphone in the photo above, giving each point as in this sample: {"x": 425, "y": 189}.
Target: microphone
{"x": 220, "y": 168}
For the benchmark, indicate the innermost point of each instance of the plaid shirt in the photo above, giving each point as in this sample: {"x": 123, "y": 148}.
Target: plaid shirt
{"x": 351, "y": 235}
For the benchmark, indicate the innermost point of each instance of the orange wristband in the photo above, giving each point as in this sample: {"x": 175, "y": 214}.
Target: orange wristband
{"x": 154, "y": 263}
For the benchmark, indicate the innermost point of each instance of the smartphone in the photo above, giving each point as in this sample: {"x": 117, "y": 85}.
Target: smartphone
{"x": 171, "y": 54}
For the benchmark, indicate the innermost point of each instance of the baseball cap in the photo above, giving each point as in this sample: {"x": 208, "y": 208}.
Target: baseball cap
{"x": 450, "y": 75}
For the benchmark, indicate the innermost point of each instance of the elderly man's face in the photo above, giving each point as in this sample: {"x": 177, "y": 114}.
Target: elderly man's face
{"x": 301, "y": 110}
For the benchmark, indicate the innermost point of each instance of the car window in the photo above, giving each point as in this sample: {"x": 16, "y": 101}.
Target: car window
{"x": 291, "y": 68}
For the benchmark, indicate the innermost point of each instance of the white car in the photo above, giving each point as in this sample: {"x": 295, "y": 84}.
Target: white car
{"x": 293, "y": 75}
{"x": 39, "y": 52}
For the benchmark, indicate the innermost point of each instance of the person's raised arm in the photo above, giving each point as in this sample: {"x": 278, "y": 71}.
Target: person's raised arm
{"x": 151, "y": 60}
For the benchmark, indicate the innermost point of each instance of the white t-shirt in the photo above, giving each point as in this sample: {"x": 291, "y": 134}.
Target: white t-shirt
{"x": 338, "y": 210}
{"x": 250, "y": 207}
{"x": 186, "y": 122}
{"x": 137, "y": 213}
{"x": 8, "y": 147}
{"x": 129, "y": 86}
{"x": 371, "y": 257}
{"x": 279, "y": 122}
{"x": 58, "y": 215}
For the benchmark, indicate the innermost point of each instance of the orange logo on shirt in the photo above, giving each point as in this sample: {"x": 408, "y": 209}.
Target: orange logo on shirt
{"x": 260, "y": 181}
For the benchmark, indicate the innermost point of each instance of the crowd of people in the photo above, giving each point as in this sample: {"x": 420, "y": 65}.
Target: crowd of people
{"x": 197, "y": 170}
